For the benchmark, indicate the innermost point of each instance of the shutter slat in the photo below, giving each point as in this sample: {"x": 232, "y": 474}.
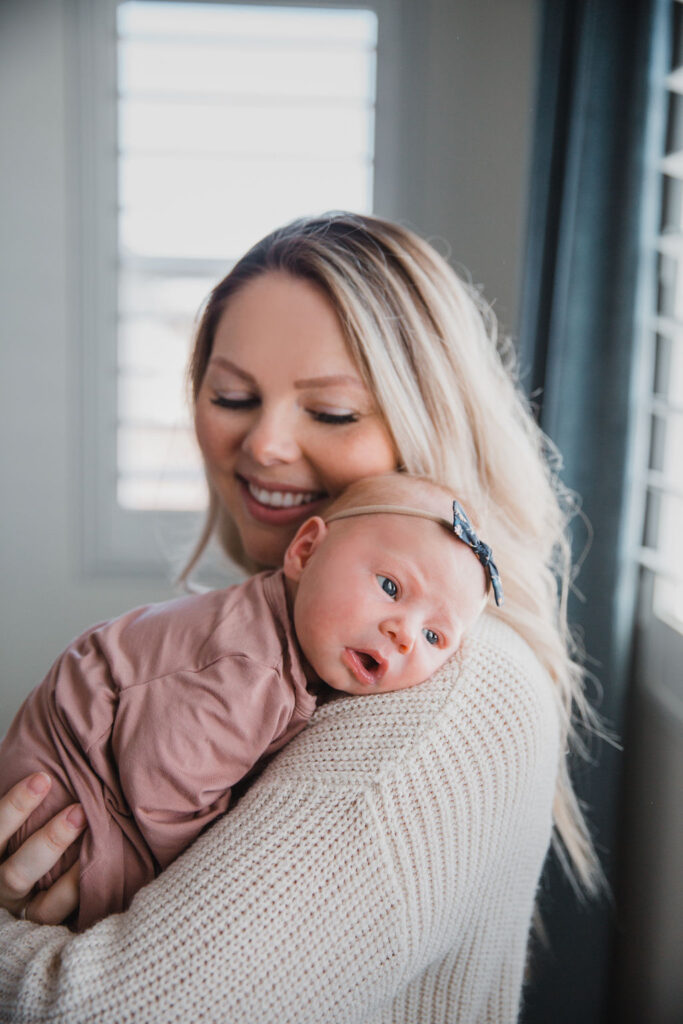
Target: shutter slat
{"x": 668, "y": 327}
{"x": 664, "y": 484}
{"x": 664, "y": 407}
{"x": 654, "y": 563}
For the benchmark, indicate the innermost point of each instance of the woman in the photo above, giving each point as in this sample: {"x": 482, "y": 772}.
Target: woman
{"x": 403, "y": 835}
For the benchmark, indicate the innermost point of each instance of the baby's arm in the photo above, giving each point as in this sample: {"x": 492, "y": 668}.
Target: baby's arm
{"x": 329, "y": 851}
{"x": 183, "y": 741}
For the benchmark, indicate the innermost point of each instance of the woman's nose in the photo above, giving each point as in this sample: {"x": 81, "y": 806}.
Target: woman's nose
{"x": 271, "y": 439}
{"x": 400, "y": 633}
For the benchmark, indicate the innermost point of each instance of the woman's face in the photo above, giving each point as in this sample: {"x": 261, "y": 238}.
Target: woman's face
{"x": 283, "y": 418}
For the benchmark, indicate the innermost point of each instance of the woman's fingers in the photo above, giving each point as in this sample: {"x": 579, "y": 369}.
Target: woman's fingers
{"x": 40, "y": 852}
{"x": 19, "y": 802}
{"x": 54, "y": 905}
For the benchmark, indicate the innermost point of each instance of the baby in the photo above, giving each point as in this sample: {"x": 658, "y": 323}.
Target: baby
{"x": 149, "y": 720}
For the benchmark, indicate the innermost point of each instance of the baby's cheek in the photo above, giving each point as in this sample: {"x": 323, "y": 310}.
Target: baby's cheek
{"x": 444, "y": 658}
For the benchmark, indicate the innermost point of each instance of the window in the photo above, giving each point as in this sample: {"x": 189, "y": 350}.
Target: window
{"x": 650, "y": 897}
{"x": 201, "y": 127}
{"x": 662, "y": 550}
{"x": 232, "y": 119}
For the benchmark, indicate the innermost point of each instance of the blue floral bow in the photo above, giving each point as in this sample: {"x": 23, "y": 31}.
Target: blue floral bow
{"x": 463, "y": 529}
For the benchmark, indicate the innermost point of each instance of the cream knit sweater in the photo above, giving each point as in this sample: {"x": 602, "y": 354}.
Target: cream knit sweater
{"x": 382, "y": 869}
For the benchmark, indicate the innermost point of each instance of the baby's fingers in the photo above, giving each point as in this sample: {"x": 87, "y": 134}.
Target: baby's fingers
{"x": 58, "y": 902}
{"x": 40, "y": 852}
{"x": 21, "y": 800}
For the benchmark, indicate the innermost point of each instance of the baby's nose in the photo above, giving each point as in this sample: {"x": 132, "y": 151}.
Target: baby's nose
{"x": 400, "y": 634}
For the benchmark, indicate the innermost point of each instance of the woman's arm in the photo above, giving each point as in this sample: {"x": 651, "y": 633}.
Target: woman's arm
{"x": 385, "y": 863}
{"x": 40, "y": 852}
{"x": 286, "y": 910}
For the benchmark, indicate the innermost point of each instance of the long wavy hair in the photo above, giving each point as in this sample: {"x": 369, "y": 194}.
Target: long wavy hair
{"x": 427, "y": 346}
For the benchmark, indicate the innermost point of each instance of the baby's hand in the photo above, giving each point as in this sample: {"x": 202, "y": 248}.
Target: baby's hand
{"x": 20, "y": 872}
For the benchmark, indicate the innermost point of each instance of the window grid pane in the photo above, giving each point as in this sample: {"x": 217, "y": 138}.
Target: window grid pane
{"x": 662, "y": 549}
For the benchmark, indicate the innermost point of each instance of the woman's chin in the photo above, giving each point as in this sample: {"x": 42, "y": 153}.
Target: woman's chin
{"x": 265, "y": 550}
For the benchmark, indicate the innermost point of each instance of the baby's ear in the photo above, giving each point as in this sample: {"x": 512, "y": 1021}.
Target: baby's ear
{"x": 307, "y": 538}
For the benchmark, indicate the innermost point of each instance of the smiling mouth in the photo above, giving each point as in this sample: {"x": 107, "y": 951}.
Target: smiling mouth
{"x": 367, "y": 666}
{"x": 281, "y": 499}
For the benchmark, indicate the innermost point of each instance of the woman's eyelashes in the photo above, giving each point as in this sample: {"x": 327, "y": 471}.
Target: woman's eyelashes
{"x": 242, "y": 402}
{"x": 235, "y": 401}
{"x": 322, "y": 416}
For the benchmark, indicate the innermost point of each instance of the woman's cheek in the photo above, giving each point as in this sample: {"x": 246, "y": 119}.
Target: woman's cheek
{"x": 202, "y": 430}
{"x": 367, "y": 452}
{"x": 212, "y": 436}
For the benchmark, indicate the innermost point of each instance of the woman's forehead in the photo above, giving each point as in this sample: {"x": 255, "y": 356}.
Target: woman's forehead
{"x": 277, "y": 313}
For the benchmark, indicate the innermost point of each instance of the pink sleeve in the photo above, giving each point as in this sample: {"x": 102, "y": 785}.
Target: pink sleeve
{"x": 183, "y": 740}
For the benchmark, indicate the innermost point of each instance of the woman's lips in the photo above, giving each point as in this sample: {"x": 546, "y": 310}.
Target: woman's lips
{"x": 278, "y": 505}
{"x": 359, "y": 663}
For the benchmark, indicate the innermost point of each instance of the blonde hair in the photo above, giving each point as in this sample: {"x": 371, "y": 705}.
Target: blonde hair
{"x": 427, "y": 347}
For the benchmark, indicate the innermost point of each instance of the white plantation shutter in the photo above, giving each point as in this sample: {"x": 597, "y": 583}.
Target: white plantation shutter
{"x": 661, "y": 552}
{"x": 232, "y": 119}
{"x": 650, "y": 869}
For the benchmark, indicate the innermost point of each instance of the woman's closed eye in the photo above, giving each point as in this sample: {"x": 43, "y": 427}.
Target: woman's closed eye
{"x": 235, "y": 400}
{"x": 333, "y": 416}
{"x": 388, "y": 586}
{"x": 243, "y": 400}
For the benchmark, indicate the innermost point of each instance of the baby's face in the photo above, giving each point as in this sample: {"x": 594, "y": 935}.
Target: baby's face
{"x": 384, "y": 600}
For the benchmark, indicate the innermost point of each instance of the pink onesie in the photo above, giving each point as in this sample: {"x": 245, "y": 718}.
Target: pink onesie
{"x": 149, "y": 720}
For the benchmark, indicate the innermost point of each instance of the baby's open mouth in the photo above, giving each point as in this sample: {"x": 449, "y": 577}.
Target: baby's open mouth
{"x": 367, "y": 666}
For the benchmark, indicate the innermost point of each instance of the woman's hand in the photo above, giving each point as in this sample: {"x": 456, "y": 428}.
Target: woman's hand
{"x": 40, "y": 852}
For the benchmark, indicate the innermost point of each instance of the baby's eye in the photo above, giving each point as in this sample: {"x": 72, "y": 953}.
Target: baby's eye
{"x": 430, "y": 636}
{"x": 388, "y": 586}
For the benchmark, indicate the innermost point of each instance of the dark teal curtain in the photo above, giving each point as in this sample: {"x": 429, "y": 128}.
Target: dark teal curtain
{"x": 579, "y": 306}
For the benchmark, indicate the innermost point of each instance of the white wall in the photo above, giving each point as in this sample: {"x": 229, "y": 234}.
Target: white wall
{"x": 467, "y": 92}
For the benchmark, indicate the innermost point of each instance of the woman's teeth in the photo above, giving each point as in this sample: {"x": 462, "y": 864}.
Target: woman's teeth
{"x": 281, "y": 499}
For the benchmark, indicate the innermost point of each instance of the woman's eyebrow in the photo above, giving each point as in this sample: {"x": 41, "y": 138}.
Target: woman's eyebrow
{"x": 227, "y": 365}
{"x": 309, "y": 382}
{"x": 325, "y": 382}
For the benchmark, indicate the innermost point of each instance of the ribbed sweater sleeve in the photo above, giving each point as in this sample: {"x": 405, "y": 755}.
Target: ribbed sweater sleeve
{"x": 382, "y": 868}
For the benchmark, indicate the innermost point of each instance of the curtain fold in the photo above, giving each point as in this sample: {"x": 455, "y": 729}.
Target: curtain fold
{"x": 577, "y": 349}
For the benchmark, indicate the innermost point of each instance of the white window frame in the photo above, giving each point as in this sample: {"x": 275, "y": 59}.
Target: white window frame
{"x": 114, "y": 540}
{"x": 660, "y": 637}
{"x": 652, "y": 870}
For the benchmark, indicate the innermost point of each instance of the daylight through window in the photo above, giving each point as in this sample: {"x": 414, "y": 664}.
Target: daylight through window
{"x": 232, "y": 120}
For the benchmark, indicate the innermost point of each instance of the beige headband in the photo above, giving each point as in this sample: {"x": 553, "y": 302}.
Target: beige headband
{"x": 399, "y": 510}
{"x": 461, "y": 527}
